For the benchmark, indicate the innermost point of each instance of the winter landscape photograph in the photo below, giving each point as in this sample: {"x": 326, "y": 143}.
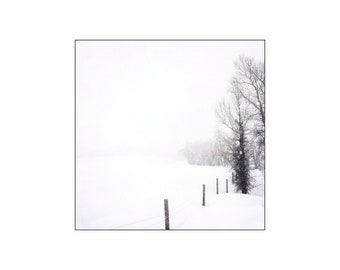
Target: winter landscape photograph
{"x": 170, "y": 134}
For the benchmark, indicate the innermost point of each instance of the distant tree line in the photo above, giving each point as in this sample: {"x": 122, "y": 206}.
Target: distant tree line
{"x": 204, "y": 153}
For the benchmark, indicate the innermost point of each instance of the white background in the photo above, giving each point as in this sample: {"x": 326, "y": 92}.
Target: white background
{"x": 37, "y": 129}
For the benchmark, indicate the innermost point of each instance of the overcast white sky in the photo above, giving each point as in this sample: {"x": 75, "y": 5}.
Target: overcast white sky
{"x": 151, "y": 96}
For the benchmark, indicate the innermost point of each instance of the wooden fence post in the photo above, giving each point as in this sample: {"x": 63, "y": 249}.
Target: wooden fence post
{"x": 226, "y": 185}
{"x": 166, "y": 213}
{"x": 216, "y": 185}
{"x": 203, "y": 203}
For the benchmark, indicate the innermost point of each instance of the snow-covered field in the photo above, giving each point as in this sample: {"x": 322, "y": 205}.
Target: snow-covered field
{"x": 128, "y": 192}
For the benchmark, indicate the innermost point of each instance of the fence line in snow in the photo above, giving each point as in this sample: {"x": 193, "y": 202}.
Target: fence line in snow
{"x": 166, "y": 218}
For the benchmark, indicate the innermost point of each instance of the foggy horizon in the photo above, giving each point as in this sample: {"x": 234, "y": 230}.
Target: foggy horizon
{"x": 151, "y": 98}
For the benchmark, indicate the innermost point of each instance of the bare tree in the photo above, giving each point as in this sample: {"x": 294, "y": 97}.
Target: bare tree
{"x": 236, "y": 116}
{"x": 249, "y": 81}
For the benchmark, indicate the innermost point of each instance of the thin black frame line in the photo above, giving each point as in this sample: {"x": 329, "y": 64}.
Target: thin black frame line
{"x": 75, "y": 117}
{"x": 265, "y": 117}
{"x": 237, "y": 230}
{"x": 75, "y": 135}
{"x": 165, "y": 39}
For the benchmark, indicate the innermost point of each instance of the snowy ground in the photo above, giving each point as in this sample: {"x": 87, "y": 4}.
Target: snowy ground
{"x": 129, "y": 192}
